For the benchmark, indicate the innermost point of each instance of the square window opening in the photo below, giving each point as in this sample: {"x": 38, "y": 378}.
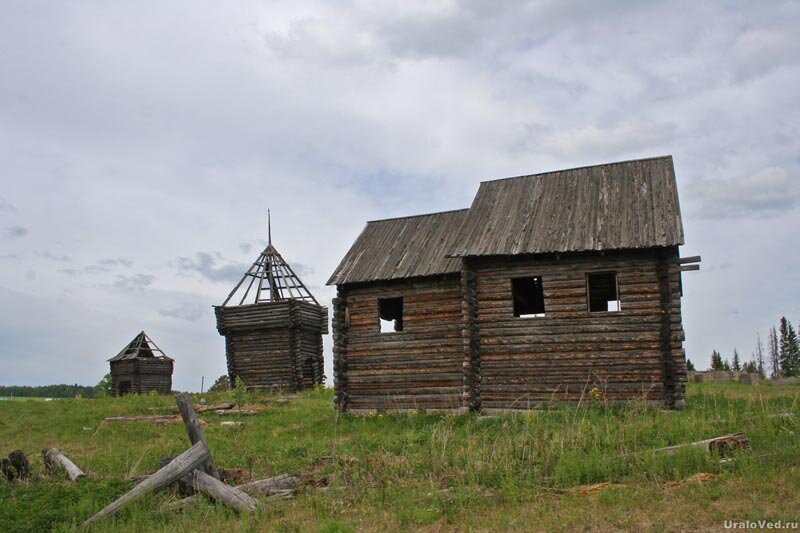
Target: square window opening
{"x": 528, "y": 296}
{"x": 390, "y": 314}
{"x": 603, "y": 292}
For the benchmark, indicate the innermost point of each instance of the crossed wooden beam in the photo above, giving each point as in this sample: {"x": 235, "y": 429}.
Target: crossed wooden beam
{"x": 195, "y": 466}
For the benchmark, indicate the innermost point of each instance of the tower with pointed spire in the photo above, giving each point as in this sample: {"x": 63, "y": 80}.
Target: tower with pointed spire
{"x": 141, "y": 367}
{"x": 273, "y": 326}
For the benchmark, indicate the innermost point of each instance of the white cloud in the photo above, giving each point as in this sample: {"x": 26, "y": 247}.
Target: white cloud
{"x": 134, "y": 137}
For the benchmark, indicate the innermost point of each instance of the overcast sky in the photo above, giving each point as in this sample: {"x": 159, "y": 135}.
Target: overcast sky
{"x": 141, "y": 144}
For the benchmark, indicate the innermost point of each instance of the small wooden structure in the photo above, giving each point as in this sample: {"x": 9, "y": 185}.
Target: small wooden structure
{"x": 273, "y": 327}
{"x": 139, "y": 368}
{"x": 548, "y": 288}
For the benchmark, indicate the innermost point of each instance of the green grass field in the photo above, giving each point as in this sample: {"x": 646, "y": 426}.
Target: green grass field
{"x": 423, "y": 471}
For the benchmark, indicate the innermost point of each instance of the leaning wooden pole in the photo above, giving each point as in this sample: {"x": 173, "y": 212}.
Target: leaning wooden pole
{"x": 184, "y": 464}
{"x": 219, "y": 491}
{"x": 54, "y": 459}
{"x": 195, "y": 431}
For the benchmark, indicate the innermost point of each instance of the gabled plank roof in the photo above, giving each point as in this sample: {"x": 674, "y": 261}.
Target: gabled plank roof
{"x": 404, "y": 247}
{"x": 614, "y": 206}
{"x": 631, "y": 204}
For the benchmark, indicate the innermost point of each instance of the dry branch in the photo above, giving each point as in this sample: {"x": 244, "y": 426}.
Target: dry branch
{"x": 185, "y": 463}
{"x": 54, "y": 459}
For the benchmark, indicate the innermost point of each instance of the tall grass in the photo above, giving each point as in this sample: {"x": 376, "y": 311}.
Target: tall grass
{"x": 409, "y": 471}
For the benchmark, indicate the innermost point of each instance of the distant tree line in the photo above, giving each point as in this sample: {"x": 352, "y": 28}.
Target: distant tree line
{"x": 780, "y": 358}
{"x": 48, "y": 391}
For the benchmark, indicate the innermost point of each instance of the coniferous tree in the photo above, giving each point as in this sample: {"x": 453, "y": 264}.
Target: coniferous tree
{"x": 736, "y": 364}
{"x": 774, "y": 354}
{"x": 689, "y": 365}
{"x": 789, "y": 349}
{"x": 758, "y": 356}
{"x": 726, "y": 365}
{"x": 716, "y": 361}
{"x": 750, "y": 367}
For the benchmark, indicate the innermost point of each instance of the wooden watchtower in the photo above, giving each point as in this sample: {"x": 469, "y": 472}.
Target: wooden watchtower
{"x": 139, "y": 368}
{"x": 273, "y": 327}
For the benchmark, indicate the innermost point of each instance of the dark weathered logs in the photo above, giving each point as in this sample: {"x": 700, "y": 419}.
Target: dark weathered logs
{"x": 185, "y": 463}
{"x": 192, "y": 423}
{"x": 219, "y": 491}
{"x": 54, "y": 459}
{"x": 19, "y": 461}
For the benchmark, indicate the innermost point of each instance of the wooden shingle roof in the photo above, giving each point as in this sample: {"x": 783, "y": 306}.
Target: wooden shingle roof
{"x": 399, "y": 248}
{"x": 626, "y": 205}
{"x": 615, "y": 206}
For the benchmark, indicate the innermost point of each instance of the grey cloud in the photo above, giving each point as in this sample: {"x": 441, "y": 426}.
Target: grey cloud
{"x": 57, "y": 258}
{"x": 205, "y": 264}
{"x": 248, "y": 246}
{"x": 117, "y": 261}
{"x": 187, "y": 311}
{"x": 302, "y": 270}
{"x": 6, "y": 206}
{"x": 133, "y": 283}
{"x": 17, "y": 231}
{"x": 768, "y": 192}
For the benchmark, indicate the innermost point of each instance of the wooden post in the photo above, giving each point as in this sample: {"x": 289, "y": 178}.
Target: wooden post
{"x": 185, "y": 463}
{"x": 339, "y": 328}
{"x": 471, "y": 337}
{"x": 194, "y": 430}
{"x": 54, "y": 459}
{"x": 219, "y": 491}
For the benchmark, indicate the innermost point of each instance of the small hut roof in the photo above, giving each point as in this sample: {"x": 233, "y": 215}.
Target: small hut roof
{"x": 614, "y": 206}
{"x": 140, "y": 346}
{"x": 405, "y": 247}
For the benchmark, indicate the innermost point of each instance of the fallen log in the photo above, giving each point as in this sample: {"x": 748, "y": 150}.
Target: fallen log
{"x": 156, "y": 419}
{"x": 238, "y": 411}
{"x": 192, "y": 423}
{"x": 217, "y": 407}
{"x": 281, "y": 486}
{"x": 219, "y": 491}
{"x": 54, "y": 459}
{"x": 185, "y": 463}
{"x": 272, "y": 485}
{"x": 720, "y": 445}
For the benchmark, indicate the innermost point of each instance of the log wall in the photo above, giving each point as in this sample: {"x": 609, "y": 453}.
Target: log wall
{"x": 630, "y": 354}
{"x": 274, "y": 345}
{"x": 420, "y": 367}
{"x": 144, "y": 374}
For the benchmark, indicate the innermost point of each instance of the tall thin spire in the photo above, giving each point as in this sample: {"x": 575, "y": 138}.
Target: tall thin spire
{"x": 269, "y": 228}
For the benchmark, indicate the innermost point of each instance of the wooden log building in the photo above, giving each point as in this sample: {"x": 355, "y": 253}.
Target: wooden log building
{"x": 138, "y": 368}
{"x": 273, "y": 328}
{"x": 548, "y": 288}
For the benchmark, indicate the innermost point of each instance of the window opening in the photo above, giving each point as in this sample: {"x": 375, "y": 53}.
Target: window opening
{"x": 528, "y": 296}
{"x": 602, "y": 292}
{"x": 390, "y": 314}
